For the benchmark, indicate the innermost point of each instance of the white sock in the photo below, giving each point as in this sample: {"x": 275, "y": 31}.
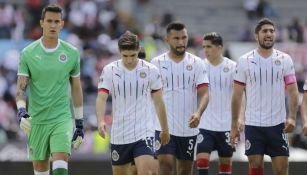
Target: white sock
{"x": 59, "y": 164}
{"x": 41, "y": 173}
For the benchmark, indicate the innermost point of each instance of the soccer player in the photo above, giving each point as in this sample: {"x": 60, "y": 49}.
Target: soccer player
{"x": 304, "y": 109}
{"x": 48, "y": 66}
{"x": 132, "y": 83}
{"x": 265, "y": 73}
{"x": 184, "y": 79}
{"x": 215, "y": 123}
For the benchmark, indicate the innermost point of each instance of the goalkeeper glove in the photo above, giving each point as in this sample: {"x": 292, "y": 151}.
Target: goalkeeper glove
{"x": 78, "y": 134}
{"x": 24, "y": 120}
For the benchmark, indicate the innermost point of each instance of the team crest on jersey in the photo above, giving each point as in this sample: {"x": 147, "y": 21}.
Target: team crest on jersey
{"x": 277, "y": 62}
{"x": 189, "y": 67}
{"x": 157, "y": 145}
{"x": 226, "y": 69}
{"x": 200, "y": 138}
{"x": 247, "y": 144}
{"x": 143, "y": 74}
{"x": 63, "y": 58}
{"x": 115, "y": 155}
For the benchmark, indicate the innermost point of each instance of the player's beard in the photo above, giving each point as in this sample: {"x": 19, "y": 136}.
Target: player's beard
{"x": 266, "y": 46}
{"x": 178, "y": 52}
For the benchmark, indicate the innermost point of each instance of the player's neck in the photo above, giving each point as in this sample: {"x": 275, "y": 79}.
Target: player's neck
{"x": 265, "y": 53}
{"x": 175, "y": 58}
{"x": 49, "y": 43}
{"x": 130, "y": 65}
{"x": 216, "y": 61}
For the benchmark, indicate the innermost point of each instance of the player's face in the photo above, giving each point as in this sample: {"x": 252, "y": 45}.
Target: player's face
{"x": 211, "y": 51}
{"x": 177, "y": 41}
{"x": 52, "y": 24}
{"x": 266, "y": 36}
{"x": 129, "y": 57}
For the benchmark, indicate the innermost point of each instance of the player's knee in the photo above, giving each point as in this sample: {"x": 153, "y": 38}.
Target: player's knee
{"x": 202, "y": 163}
{"x": 165, "y": 166}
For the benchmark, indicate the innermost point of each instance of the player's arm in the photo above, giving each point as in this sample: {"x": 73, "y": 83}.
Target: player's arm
{"x": 292, "y": 106}
{"x": 23, "y": 117}
{"x": 236, "y": 101}
{"x": 161, "y": 112}
{"x": 241, "y": 121}
{"x": 101, "y": 101}
{"x": 303, "y": 113}
{"x": 77, "y": 98}
{"x": 203, "y": 100}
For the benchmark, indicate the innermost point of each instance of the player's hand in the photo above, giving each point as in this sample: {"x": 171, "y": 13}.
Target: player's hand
{"x": 164, "y": 137}
{"x": 24, "y": 120}
{"x": 305, "y": 129}
{"x": 102, "y": 129}
{"x": 78, "y": 136}
{"x": 289, "y": 125}
{"x": 234, "y": 135}
{"x": 194, "y": 120}
{"x": 241, "y": 125}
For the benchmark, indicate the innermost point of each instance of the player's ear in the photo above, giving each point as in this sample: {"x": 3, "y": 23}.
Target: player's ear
{"x": 256, "y": 36}
{"x": 41, "y": 22}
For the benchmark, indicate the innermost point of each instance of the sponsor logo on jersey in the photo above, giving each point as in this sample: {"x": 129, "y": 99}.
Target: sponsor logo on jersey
{"x": 63, "y": 58}
{"x": 143, "y": 75}
{"x": 247, "y": 144}
{"x": 277, "y": 62}
{"x": 189, "y": 67}
{"x": 226, "y": 69}
{"x": 115, "y": 155}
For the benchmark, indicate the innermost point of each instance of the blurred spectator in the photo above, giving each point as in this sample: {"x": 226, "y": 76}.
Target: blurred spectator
{"x": 296, "y": 31}
{"x": 265, "y": 9}
{"x": 250, "y": 7}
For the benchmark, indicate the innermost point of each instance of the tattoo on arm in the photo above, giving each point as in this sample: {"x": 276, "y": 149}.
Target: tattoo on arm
{"x": 22, "y": 83}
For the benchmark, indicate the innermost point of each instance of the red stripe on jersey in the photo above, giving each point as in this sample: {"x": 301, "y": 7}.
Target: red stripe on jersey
{"x": 305, "y": 91}
{"x": 155, "y": 90}
{"x": 290, "y": 79}
{"x": 239, "y": 83}
{"x": 103, "y": 90}
{"x": 202, "y": 85}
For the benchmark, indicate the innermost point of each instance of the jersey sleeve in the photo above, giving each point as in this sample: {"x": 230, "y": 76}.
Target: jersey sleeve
{"x": 23, "y": 68}
{"x": 156, "y": 82}
{"x": 202, "y": 76}
{"x": 289, "y": 67}
{"x": 105, "y": 80}
{"x": 239, "y": 74}
{"x": 75, "y": 72}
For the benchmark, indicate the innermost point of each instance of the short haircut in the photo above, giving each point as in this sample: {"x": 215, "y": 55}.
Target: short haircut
{"x": 51, "y": 8}
{"x": 262, "y": 22}
{"x": 128, "y": 41}
{"x": 175, "y": 26}
{"x": 215, "y": 38}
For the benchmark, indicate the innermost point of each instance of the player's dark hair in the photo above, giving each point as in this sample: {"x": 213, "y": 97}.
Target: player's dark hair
{"x": 142, "y": 54}
{"x": 128, "y": 41}
{"x": 215, "y": 38}
{"x": 262, "y": 22}
{"x": 175, "y": 26}
{"x": 51, "y": 8}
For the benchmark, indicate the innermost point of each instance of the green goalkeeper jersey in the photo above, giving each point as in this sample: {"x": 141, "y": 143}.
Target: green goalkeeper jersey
{"x": 49, "y": 71}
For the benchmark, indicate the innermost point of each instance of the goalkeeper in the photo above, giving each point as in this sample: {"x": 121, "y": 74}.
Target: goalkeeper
{"x": 50, "y": 66}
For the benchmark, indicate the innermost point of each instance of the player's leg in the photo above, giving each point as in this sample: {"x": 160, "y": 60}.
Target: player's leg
{"x": 121, "y": 169}
{"x": 255, "y": 148}
{"x": 38, "y": 149}
{"x": 280, "y": 165}
{"x": 225, "y": 152}
{"x": 133, "y": 170}
{"x": 278, "y": 149}
{"x": 60, "y": 146}
{"x": 165, "y": 155}
{"x": 185, "y": 147}
{"x": 204, "y": 148}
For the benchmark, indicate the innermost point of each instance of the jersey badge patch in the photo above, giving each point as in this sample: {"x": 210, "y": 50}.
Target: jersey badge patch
{"x": 115, "y": 155}
{"x": 189, "y": 67}
{"x": 63, "y": 58}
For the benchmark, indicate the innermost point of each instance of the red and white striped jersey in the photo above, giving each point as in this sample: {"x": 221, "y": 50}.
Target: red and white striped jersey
{"x": 217, "y": 116}
{"x": 265, "y": 80}
{"x": 131, "y": 99}
{"x": 180, "y": 82}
